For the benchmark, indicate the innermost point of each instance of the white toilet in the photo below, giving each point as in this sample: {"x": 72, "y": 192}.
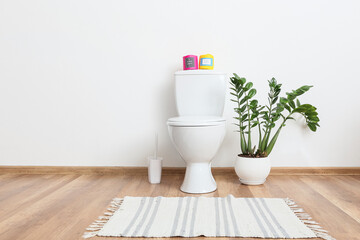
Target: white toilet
{"x": 199, "y": 130}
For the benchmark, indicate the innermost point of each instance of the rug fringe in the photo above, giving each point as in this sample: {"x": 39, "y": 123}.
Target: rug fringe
{"x": 98, "y": 224}
{"x": 307, "y": 220}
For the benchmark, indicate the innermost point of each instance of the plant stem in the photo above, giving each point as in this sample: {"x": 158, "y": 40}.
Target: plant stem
{"x": 265, "y": 140}
{"x": 242, "y": 138}
{"x": 269, "y": 128}
{"x": 259, "y": 132}
{"x": 239, "y": 113}
{"x": 249, "y": 128}
{"x": 274, "y": 138}
{"x": 273, "y": 141}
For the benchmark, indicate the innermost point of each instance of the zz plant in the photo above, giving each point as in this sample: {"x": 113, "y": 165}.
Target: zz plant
{"x": 249, "y": 114}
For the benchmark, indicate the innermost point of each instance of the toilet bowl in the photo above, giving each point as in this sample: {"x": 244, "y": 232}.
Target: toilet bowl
{"x": 197, "y": 140}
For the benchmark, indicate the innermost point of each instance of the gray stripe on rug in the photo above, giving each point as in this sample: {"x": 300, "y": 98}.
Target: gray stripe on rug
{"x": 141, "y": 223}
{"x": 192, "y": 225}
{"x": 152, "y": 217}
{"x": 182, "y": 231}
{"x": 226, "y": 225}
{"x": 268, "y": 223}
{"x": 274, "y": 219}
{"x": 177, "y": 215}
{"x": 258, "y": 221}
{"x": 141, "y": 206}
{"x": 233, "y": 219}
{"x": 217, "y": 217}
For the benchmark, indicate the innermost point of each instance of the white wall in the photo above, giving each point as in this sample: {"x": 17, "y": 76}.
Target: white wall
{"x": 90, "y": 82}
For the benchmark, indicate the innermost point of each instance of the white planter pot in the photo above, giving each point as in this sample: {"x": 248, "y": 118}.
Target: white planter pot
{"x": 252, "y": 171}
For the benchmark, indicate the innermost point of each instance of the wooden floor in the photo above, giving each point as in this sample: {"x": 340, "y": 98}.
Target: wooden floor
{"x": 61, "y": 206}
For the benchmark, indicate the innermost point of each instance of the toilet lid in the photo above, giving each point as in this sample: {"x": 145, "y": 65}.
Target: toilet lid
{"x": 196, "y": 121}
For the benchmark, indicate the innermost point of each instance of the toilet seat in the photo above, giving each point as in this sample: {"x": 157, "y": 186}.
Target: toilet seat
{"x": 196, "y": 121}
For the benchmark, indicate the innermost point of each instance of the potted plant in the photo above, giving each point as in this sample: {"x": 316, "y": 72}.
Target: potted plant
{"x": 253, "y": 165}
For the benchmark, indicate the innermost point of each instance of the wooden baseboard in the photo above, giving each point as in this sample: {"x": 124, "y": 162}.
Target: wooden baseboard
{"x": 315, "y": 171}
{"x": 170, "y": 170}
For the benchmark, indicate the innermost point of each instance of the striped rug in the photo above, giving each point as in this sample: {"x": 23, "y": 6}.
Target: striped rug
{"x": 205, "y": 216}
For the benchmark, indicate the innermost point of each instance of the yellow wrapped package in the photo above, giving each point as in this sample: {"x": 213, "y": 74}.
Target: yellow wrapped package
{"x": 206, "y": 61}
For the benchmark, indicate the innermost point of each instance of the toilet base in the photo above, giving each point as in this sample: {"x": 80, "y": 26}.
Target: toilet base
{"x": 198, "y": 179}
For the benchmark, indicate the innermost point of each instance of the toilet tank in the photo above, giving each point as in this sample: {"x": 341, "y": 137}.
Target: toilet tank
{"x": 200, "y": 92}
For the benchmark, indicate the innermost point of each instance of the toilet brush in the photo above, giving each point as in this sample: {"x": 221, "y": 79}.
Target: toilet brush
{"x": 155, "y": 165}
{"x": 156, "y": 145}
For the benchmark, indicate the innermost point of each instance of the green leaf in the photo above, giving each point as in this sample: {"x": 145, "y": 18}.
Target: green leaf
{"x": 248, "y": 86}
{"x": 272, "y": 82}
{"x": 283, "y": 100}
{"x": 277, "y": 90}
{"x": 276, "y": 118}
{"x": 287, "y": 107}
{"x": 290, "y": 96}
{"x": 309, "y": 106}
{"x": 292, "y": 104}
{"x": 314, "y": 118}
{"x": 302, "y": 90}
{"x": 306, "y": 87}
{"x": 279, "y": 108}
{"x": 274, "y": 100}
{"x": 261, "y": 108}
{"x": 282, "y": 116}
{"x": 244, "y": 100}
{"x": 312, "y": 126}
{"x": 305, "y": 108}
{"x": 298, "y": 103}
{"x": 244, "y": 117}
{"x": 254, "y": 103}
{"x": 252, "y": 93}
{"x": 253, "y": 116}
{"x": 236, "y": 76}
{"x": 312, "y": 113}
{"x": 300, "y": 109}
{"x": 243, "y": 108}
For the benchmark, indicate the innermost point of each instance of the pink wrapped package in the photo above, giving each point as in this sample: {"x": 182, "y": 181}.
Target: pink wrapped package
{"x": 190, "y": 62}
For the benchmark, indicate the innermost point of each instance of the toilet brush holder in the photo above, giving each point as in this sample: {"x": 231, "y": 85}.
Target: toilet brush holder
{"x": 154, "y": 169}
